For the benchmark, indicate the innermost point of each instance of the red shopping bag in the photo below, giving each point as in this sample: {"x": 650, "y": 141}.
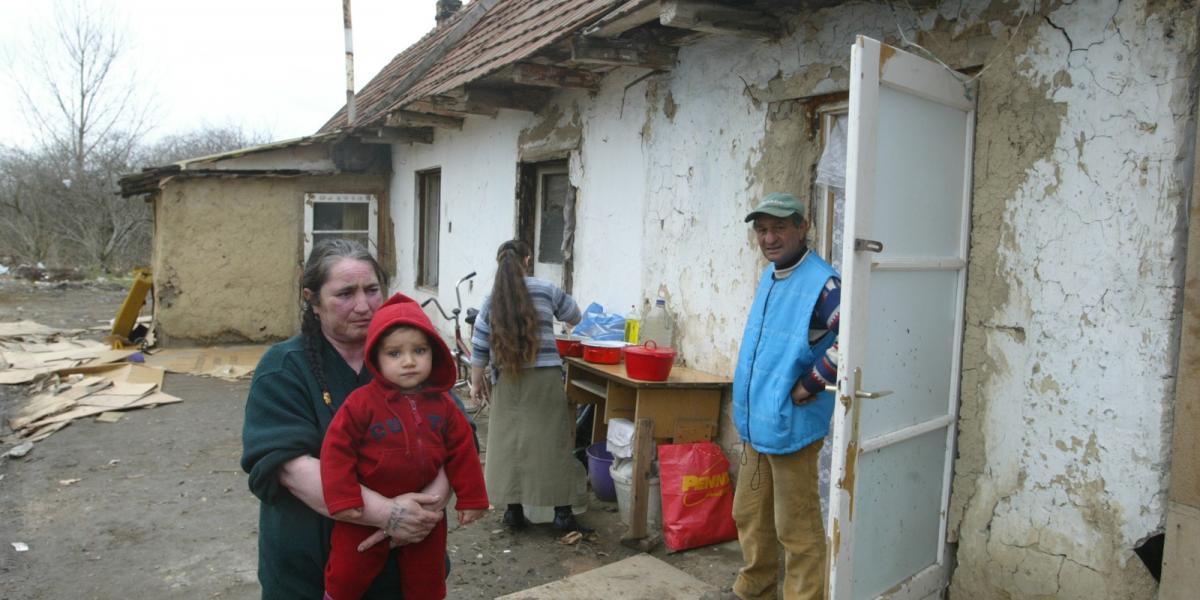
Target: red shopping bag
{"x": 697, "y": 496}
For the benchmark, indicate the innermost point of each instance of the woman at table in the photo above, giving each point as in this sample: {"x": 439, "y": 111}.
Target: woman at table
{"x": 298, "y": 386}
{"x": 531, "y": 425}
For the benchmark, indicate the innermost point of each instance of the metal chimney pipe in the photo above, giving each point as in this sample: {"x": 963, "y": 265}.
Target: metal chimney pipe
{"x": 349, "y": 63}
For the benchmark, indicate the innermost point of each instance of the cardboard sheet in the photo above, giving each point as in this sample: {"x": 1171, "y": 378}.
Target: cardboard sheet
{"x": 639, "y": 577}
{"x": 225, "y": 362}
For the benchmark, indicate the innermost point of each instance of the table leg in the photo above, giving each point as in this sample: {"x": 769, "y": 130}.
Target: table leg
{"x": 643, "y": 456}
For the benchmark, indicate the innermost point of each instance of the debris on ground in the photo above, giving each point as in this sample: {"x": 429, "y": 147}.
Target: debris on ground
{"x": 84, "y": 392}
{"x": 30, "y": 350}
{"x": 223, "y": 362}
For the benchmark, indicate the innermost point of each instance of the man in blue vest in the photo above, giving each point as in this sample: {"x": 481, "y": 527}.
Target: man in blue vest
{"x": 781, "y": 409}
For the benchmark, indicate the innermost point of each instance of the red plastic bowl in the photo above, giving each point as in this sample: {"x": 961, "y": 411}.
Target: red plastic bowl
{"x": 569, "y": 345}
{"x": 602, "y": 352}
{"x": 649, "y": 362}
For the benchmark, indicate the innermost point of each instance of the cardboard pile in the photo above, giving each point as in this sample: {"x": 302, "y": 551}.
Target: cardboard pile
{"x": 85, "y": 392}
{"x": 75, "y": 378}
{"x": 30, "y": 350}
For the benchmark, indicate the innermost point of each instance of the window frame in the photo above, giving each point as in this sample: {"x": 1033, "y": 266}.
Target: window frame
{"x": 311, "y": 199}
{"x": 824, "y": 195}
{"x": 423, "y": 278}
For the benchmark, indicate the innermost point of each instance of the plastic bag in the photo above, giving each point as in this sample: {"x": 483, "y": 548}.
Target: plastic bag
{"x": 598, "y": 325}
{"x": 697, "y": 495}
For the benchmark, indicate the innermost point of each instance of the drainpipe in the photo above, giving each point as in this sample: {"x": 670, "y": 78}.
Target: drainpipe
{"x": 349, "y": 63}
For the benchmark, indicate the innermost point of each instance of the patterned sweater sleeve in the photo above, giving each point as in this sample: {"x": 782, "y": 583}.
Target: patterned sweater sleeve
{"x": 825, "y": 317}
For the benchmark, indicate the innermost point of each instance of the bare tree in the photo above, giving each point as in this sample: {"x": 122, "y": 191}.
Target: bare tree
{"x": 84, "y": 102}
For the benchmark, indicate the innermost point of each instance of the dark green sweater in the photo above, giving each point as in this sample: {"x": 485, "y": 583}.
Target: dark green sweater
{"x": 286, "y": 418}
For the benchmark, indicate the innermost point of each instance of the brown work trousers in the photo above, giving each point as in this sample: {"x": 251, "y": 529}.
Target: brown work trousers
{"x": 777, "y": 502}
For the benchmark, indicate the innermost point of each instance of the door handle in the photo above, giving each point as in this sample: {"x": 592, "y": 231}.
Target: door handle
{"x": 869, "y": 245}
{"x": 862, "y": 394}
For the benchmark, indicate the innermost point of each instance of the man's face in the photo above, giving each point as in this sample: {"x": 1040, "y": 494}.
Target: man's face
{"x": 780, "y": 239}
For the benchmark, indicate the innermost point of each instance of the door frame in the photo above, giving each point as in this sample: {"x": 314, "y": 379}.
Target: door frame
{"x": 528, "y": 192}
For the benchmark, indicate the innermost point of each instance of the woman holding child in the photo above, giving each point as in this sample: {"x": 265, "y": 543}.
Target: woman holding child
{"x": 298, "y": 387}
{"x": 531, "y": 427}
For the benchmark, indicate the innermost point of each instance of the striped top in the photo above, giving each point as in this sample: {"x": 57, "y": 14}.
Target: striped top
{"x": 825, "y": 319}
{"x": 550, "y": 302}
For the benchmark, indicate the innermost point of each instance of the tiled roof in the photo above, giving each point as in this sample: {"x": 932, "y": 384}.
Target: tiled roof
{"x": 511, "y": 31}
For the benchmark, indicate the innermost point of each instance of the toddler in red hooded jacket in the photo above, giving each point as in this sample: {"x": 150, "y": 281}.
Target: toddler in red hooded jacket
{"x": 392, "y": 436}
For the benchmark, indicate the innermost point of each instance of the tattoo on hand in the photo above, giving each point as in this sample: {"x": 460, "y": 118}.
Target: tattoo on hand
{"x": 394, "y": 518}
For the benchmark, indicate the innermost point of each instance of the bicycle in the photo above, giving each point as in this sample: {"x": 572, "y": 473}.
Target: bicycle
{"x": 462, "y": 348}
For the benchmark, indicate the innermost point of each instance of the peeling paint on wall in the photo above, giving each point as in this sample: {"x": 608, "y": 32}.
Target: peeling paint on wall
{"x": 1083, "y": 141}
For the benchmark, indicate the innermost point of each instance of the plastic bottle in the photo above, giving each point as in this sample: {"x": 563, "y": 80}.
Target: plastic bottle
{"x": 632, "y": 326}
{"x": 659, "y": 326}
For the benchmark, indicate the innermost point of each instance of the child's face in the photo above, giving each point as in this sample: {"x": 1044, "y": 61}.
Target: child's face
{"x": 405, "y": 357}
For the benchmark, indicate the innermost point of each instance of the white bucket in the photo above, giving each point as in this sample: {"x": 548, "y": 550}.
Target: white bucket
{"x": 622, "y": 476}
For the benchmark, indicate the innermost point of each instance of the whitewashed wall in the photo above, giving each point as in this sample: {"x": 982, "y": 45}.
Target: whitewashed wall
{"x": 478, "y": 210}
{"x": 1084, "y": 135}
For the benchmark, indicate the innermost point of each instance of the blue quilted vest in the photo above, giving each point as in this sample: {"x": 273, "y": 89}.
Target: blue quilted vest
{"x": 775, "y": 352}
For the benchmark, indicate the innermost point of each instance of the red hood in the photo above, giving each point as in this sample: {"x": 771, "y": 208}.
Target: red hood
{"x": 402, "y": 310}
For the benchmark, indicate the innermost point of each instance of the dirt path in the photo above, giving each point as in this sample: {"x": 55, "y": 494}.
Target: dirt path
{"x": 161, "y": 509}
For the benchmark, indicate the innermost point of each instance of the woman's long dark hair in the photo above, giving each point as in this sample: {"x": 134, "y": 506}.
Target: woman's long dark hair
{"x": 325, "y": 255}
{"x": 514, "y": 320}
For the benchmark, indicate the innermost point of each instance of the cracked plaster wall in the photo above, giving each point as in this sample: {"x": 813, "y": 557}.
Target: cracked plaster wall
{"x": 1083, "y": 136}
{"x": 227, "y": 255}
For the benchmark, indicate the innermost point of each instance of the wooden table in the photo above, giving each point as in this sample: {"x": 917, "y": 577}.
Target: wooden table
{"x": 684, "y": 408}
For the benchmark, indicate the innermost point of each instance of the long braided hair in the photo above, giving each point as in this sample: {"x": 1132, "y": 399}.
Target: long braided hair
{"x": 325, "y": 255}
{"x": 514, "y": 320}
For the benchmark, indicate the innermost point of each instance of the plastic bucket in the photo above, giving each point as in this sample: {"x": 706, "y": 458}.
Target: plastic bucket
{"x": 599, "y": 460}
{"x": 622, "y": 476}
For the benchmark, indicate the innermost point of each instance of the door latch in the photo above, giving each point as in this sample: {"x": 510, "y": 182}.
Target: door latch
{"x": 867, "y": 245}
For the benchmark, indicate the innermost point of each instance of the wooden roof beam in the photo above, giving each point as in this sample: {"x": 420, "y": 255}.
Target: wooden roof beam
{"x": 621, "y": 20}
{"x": 547, "y": 76}
{"x": 451, "y": 106}
{"x": 411, "y": 118}
{"x": 522, "y": 99}
{"x": 622, "y": 52}
{"x": 396, "y": 135}
{"x": 707, "y": 17}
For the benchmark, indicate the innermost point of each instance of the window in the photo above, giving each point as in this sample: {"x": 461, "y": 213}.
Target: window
{"x": 340, "y": 216}
{"x": 830, "y": 186}
{"x": 429, "y": 201}
{"x": 553, "y": 189}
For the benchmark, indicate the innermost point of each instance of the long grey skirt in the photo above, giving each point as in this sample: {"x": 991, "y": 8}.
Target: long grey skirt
{"x": 531, "y": 432}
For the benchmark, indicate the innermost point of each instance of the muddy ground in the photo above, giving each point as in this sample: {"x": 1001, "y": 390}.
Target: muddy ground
{"x": 161, "y": 508}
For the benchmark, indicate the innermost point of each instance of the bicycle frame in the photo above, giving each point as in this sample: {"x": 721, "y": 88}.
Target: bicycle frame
{"x": 462, "y": 349}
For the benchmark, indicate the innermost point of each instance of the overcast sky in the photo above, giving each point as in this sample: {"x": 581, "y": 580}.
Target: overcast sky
{"x": 274, "y": 66}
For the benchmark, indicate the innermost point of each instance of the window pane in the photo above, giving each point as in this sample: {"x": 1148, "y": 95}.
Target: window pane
{"x": 361, "y": 238}
{"x": 555, "y": 188}
{"x": 340, "y": 216}
{"x": 430, "y": 222}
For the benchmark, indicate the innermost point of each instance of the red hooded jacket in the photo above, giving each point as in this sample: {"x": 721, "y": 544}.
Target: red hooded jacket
{"x": 395, "y": 442}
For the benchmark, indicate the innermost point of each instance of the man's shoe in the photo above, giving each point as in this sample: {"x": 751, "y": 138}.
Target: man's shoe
{"x": 566, "y": 523}
{"x": 514, "y": 517}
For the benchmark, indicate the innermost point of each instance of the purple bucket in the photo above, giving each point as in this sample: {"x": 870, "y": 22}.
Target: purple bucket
{"x": 599, "y": 460}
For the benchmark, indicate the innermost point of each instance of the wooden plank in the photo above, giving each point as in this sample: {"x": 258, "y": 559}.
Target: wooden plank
{"x": 553, "y": 77}
{"x": 522, "y": 99}
{"x": 397, "y": 135}
{"x": 665, "y": 407}
{"x": 681, "y": 377}
{"x": 687, "y": 431}
{"x": 623, "y": 19}
{"x": 719, "y": 19}
{"x": 451, "y": 107}
{"x": 639, "y": 577}
{"x": 409, "y": 118}
{"x": 643, "y": 455}
{"x": 622, "y": 53}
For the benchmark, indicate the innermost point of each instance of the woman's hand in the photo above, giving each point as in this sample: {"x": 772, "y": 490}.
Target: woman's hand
{"x": 411, "y": 525}
{"x": 480, "y": 394}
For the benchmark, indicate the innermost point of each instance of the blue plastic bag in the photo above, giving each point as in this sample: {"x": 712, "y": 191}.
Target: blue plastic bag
{"x": 598, "y": 325}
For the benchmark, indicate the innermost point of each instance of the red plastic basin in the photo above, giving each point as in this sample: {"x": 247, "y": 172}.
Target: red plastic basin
{"x": 569, "y": 345}
{"x": 602, "y": 352}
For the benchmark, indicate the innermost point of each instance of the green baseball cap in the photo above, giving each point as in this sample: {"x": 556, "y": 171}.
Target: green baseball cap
{"x": 777, "y": 204}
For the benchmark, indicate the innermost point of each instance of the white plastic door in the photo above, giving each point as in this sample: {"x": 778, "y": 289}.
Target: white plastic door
{"x": 553, "y": 187}
{"x": 904, "y": 252}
